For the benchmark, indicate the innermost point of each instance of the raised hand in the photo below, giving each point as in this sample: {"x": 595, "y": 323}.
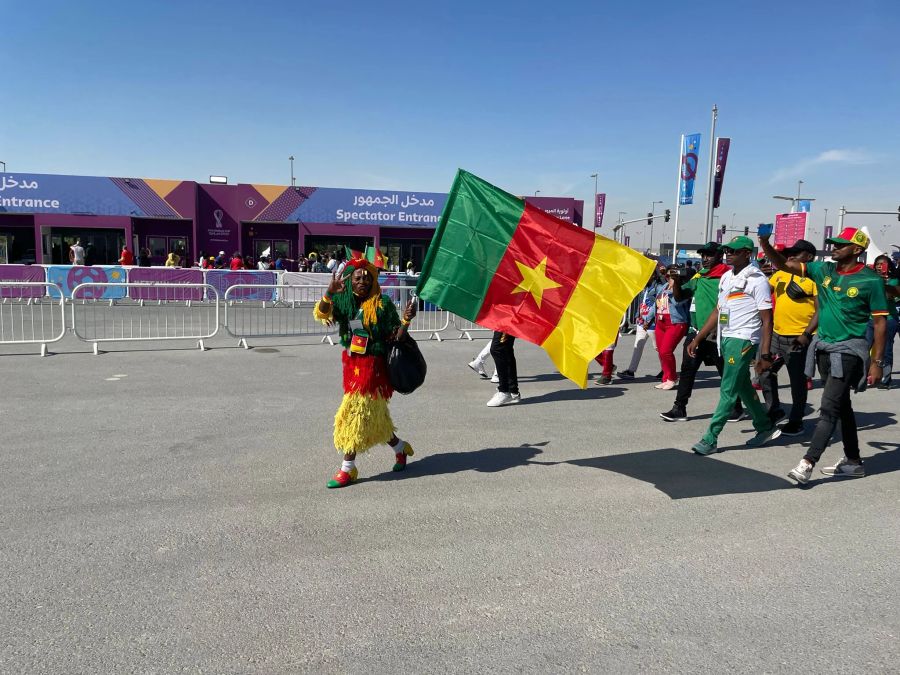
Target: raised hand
{"x": 336, "y": 285}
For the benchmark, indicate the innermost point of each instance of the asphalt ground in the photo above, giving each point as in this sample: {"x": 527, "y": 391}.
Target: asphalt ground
{"x": 164, "y": 510}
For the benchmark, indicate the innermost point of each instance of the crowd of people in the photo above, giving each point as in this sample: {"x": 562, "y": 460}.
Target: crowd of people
{"x": 748, "y": 319}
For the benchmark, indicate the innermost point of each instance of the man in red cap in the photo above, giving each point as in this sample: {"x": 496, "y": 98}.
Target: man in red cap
{"x": 849, "y": 295}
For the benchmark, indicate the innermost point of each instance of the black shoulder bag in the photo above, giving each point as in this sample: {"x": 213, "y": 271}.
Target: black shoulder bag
{"x": 406, "y": 365}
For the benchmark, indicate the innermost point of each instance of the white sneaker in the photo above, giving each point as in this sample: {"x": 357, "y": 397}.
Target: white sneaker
{"x": 478, "y": 367}
{"x": 845, "y": 469}
{"x": 499, "y": 399}
{"x": 802, "y": 472}
{"x": 495, "y": 378}
{"x": 516, "y": 398}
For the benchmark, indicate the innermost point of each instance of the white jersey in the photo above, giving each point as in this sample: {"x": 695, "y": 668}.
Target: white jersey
{"x": 741, "y": 297}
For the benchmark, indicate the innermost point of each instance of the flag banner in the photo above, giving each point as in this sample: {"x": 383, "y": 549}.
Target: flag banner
{"x": 352, "y": 254}
{"x": 829, "y": 233}
{"x": 722, "y": 147}
{"x": 599, "y": 208}
{"x": 628, "y": 240}
{"x": 804, "y": 206}
{"x": 510, "y": 267}
{"x": 718, "y": 236}
{"x": 690, "y": 149}
{"x": 374, "y": 256}
{"x": 789, "y": 227}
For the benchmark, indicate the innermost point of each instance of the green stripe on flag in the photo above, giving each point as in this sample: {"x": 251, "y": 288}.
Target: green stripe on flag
{"x": 474, "y": 232}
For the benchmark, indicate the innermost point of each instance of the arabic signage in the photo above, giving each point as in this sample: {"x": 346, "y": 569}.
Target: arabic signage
{"x": 599, "y": 208}
{"x": 789, "y": 227}
{"x": 564, "y": 208}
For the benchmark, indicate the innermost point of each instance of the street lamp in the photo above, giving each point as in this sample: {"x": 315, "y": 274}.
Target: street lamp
{"x": 293, "y": 182}
{"x": 732, "y": 220}
{"x": 795, "y": 201}
{"x": 595, "y": 177}
{"x": 536, "y": 192}
{"x": 652, "y": 213}
{"x": 619, "y": 226}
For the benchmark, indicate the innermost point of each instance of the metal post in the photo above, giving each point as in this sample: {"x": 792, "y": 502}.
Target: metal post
{"x": 677, "y": 203}
{"x": 293, "y": 182}
{"x": 712, "y": 166}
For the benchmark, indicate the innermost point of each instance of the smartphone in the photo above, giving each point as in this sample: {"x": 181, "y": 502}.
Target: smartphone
{"x": 764, "y": 229}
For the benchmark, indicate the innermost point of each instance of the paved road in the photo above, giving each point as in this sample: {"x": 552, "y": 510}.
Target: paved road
{"x": 175, "y": 518}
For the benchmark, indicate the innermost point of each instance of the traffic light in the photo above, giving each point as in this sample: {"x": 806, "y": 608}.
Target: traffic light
{"x": 723, "y": 229}
{"x": 669, "y": 215}
{"x": 649, "y": 218}
{"x": 746, "y": 230}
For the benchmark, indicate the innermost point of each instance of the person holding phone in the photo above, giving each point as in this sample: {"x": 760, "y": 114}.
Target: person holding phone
{"x": 794, "y": 322}
{"x": 850, "y": 294}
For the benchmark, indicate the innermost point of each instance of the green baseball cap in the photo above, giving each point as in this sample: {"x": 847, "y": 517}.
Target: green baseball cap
{"x": 738, "y": 243}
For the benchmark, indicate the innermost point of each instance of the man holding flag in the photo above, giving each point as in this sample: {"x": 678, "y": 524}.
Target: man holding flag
{"x": 509, "y": 266}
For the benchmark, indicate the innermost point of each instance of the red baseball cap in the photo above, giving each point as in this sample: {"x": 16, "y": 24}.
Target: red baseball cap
{"x": 850, "y": 235}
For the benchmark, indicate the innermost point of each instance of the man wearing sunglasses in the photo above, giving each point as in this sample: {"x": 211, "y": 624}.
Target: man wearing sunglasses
{"x": 849, "y": 295}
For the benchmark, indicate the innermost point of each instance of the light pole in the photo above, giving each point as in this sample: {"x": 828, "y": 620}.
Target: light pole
{"x": 652, "y": 213}
{"x": 293, "y": 182}
{"x": 536, "y": 192}
{"x": 795, "y": 201}
{"x": 732, "y": 220}
{"x": 595, "y": 177}
{"x": 622, "y": 230}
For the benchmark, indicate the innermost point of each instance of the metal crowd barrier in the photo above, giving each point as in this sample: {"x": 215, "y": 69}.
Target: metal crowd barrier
{"x": 28, "y": 317}
{"x": 291, "y": 315}
{"x": 165, "y": 311}
{"x": 466, "y": 327}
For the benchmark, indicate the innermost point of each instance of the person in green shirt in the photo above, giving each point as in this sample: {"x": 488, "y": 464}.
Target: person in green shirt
{"x": 703, "y": 291}
{"x": 850, "y": 294}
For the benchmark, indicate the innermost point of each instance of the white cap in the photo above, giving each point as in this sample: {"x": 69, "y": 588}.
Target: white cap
{"x": 221, "y": 252}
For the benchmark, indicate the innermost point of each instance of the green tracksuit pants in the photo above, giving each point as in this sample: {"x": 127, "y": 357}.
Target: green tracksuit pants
{"x": 736, "y": 356}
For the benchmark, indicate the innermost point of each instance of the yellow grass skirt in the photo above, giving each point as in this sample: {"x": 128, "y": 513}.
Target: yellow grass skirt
{"x": 363, "y": 420}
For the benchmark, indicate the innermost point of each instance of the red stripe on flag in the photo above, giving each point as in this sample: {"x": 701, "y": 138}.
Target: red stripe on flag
{"x": 538, "y": 236}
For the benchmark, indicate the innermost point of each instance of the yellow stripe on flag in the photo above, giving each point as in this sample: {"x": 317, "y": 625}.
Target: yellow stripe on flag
{"x": 612, "y": 277}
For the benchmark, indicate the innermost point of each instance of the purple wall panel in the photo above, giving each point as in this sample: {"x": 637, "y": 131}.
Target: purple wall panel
{"x": 221, "y": 280}
{"x": 165, "y": 275}
{"x": 22, "y": 273}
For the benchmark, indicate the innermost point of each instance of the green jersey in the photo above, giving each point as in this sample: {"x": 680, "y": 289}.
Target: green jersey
{"x": 846, "y": 301}
{"x": 703, "y": 289}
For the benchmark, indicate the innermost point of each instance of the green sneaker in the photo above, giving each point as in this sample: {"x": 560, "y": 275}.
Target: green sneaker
{"x": 701, "y": 447}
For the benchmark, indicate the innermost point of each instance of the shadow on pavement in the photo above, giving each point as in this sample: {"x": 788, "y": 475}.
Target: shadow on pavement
{"x": 684, "y": 475}
{"x": 486, "y": 460}
{"x": 593, "y": 392}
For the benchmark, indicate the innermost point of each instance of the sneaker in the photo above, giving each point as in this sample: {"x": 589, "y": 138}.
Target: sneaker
{"x": 498, "y": 399}
{"x": 626, "y": 374}
{"x": 845, "y": 468}
{"x": 763, "y": 437}
{"x": 404, "y": 450}
{"x": 883, "y": 385}
{"x": 701, "y": 447}
{"x": 738, "y": 416}
{"x": 792, "y": 429}
{"x": 802, "y": 472}
{"x": 676, "y": 414}
{"x": 666, "y": 385}
{"x": 516, "y": 398}
{"x": 343, "y": 479}
{"x": 604, "y": 379}
{"x": 495, "y": 379}
{"x": 478, "y": 367}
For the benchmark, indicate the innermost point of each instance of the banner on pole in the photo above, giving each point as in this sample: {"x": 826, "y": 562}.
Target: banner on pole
{"x": 789, "y": 227}
{"x": 628, "y": 240}
{"x": 722, "y": 147}
{"x": 829, "y": 233}
{"x": 804, "y": 206}
{"x": 599, "y": 208}
{"x": 718, "y": 236}
{"x": 689, "y": 162}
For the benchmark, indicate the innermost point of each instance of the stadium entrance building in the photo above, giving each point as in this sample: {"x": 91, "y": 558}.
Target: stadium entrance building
{"x": 41, "y": 216}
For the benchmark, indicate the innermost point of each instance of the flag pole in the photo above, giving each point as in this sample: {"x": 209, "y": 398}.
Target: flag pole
{"x": 677, "y": 200}
{"x": 712, "y": 166}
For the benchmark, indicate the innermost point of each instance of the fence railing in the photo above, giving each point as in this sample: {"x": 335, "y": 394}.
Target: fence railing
{"x": 290, "y": 316}
{"x": 27, "y": 316}
{"x": 163, "y": 312}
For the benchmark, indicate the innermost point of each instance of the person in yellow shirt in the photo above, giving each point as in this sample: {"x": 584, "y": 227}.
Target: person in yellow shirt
{"x": 794, "y": 322}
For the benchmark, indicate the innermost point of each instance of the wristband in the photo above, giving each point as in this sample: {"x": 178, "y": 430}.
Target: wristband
{"x": 879, "y": 362}
{"x": 404, "y": 322}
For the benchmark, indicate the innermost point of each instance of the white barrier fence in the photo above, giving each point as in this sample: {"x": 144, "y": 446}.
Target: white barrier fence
{"x": 164, "y": 312}
{"x": 28, "y": 317}
{"x": 290, "y": 316}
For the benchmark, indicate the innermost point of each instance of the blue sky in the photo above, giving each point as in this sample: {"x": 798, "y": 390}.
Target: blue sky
{"x": 531, "y": 97}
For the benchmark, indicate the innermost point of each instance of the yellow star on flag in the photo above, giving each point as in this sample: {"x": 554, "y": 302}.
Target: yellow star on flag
{"x": 535, "y": 281}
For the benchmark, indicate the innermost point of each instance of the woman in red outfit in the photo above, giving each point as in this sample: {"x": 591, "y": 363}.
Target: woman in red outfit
{"x": 671, "y": 327}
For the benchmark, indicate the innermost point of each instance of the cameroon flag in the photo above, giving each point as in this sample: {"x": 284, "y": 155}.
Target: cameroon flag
{"x": 509, "y": 266}
{"x": 374, "y": 256}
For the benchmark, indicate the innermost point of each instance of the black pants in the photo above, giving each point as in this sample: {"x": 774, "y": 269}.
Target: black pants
{"x": 836, "y": 406}
{"x": 795, "y": 362}
{"x": 505, "y": 360}
{"x": 708, "y": 354}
